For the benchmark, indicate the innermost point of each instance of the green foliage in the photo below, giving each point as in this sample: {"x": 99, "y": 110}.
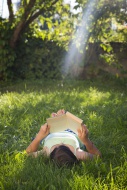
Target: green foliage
{"x": 104, "y": 15}
{"x": 37, "y": 20}
{"x": 7, "y": 54}
{"x": 99, "y": 19}
{"x": 109, "y": 56}
{"x": 24, "y": 108}
{"x": 38, "y": 58}
{"x": 26, "y": 23}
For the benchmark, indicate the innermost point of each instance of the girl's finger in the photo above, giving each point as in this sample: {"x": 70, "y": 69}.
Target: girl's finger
{"x": 60, "y": 112}
{"x": 82, "y": 129}
{"x": 63, "y": 111}
{"x": 48, "y": 126}
{"x": 79, "y": 131}
{"x": 53, "y": 115}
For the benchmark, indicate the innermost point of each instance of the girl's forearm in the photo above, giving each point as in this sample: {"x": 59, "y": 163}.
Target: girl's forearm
{"x": 33, "y": 145}
{"x": 91, "y": 148}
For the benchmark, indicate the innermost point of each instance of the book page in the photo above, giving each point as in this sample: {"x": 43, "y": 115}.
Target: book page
{"x": 63, "y": 122}
{"x": 58, "y": 123}
{"x": 70, "y": 115}
{"x": 74, "y": 122}
{"x": 74, "y": 125}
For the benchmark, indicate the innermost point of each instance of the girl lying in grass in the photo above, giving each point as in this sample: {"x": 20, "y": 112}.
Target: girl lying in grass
{"x": 65, "y": 147}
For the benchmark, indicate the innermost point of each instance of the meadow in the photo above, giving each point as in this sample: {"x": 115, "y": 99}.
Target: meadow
{"x": 24, "y": 107}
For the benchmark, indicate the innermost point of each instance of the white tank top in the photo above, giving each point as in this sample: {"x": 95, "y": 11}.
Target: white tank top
{"x": 61, "y": 138}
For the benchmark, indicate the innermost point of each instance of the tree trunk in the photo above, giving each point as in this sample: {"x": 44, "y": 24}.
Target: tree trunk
{"x": 16, "y": 34}
{"x": 26, "y": 20}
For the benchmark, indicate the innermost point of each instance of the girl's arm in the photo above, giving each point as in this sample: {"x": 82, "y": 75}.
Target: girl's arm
{"x": 83, "y": 136}
{"x": 44, "y": 131}
{"x": 91, "y": 148}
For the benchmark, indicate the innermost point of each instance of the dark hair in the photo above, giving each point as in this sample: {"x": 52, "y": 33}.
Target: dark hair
{"x": 62, "y": 155}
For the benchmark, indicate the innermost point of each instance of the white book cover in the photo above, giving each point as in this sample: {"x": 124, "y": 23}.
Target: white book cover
{"x": 63, "y": 122}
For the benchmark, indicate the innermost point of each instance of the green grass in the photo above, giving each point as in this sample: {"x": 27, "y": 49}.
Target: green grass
{"x": 25, "y": 105}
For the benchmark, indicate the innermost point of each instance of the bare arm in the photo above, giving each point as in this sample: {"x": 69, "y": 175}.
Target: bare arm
{"x": 91, "y": 147}
{"x": 44, "y": 131}
{"x": 83, "y": 136}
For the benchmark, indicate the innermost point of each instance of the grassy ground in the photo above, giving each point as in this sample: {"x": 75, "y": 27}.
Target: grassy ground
{"x": 24, "y": 106}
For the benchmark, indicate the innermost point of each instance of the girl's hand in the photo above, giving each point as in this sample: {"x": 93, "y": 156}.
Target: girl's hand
{"x": 83, "y": 133}
{"x": 43, "y": 132}
{"x": 53, "y": 114}
{"x": 60, "y": 112}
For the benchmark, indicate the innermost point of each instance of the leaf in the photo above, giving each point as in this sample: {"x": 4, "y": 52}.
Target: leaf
{"x": 49, "y": 25}
{"x": 109, "y": 49}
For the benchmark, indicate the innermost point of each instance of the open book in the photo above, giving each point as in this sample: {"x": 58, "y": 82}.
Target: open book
{"x": 63, "y": 122}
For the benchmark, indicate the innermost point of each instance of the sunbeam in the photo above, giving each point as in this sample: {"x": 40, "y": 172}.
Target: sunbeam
{"x": 77, "y": 48}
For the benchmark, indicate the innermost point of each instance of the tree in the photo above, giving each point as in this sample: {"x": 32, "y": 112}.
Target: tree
{"x": 27, "y": 13}
{"x": 32, "y": 13}
{"x": 96, "y": 28}
{"x": 26, "y": 22}
{"x": 101, "y": 16}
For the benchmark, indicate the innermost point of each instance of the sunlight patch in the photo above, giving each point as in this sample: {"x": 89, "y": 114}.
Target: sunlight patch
{"x": 77, "y": 49}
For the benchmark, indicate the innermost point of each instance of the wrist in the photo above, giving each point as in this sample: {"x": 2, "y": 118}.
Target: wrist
{"x": 86, "y": 141}
{"x": 38, "y": 138}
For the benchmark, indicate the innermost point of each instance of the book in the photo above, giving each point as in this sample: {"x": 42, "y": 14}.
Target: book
{"x": 64, "y": 122}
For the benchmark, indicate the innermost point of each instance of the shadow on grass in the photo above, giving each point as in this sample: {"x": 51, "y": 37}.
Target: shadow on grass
{"x": 103, "y": 112}
{"x": 27, "y": 86}
{"x": 101, "y": 105}
{"x": 28, "y": 173}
